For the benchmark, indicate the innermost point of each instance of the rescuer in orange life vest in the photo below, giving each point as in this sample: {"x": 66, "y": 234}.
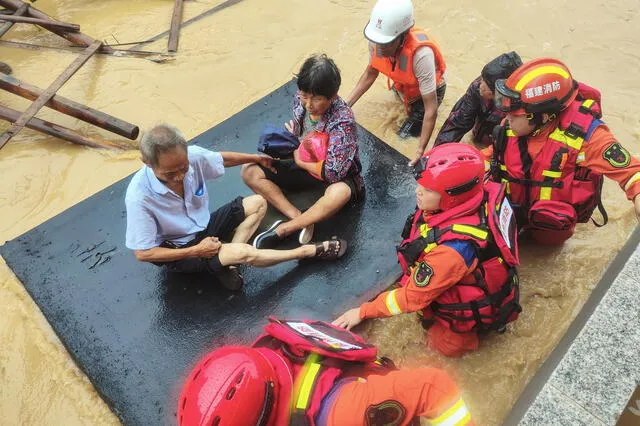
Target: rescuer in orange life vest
{"x": 554, "y": 149}
{"x": 458, "y": 255}
{"x": 310, "y": 373}
{"x": 410, "y": 58}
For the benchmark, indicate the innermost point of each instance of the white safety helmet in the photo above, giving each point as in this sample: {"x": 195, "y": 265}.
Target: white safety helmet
{"x": 389, "y": 19}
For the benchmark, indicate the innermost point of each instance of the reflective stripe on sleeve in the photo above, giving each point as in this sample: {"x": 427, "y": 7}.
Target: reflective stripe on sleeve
{"x": 457, "y": 415}
{"x": 392, "y": 303}
{"x": 634, "y": 178}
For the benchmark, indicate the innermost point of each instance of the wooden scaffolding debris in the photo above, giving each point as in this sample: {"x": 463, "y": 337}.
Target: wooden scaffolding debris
{"x": 69, "y": 107}
{"x": 46, "y": 96}
{"x": 32, "y": 12}
{"x": 7, "y": 25}
{"x": 174, "y": 32}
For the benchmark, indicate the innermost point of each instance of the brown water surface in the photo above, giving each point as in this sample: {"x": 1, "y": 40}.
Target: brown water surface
{"x": 234, "y": 57}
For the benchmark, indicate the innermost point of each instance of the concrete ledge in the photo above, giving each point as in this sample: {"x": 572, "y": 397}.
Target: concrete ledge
{"x": 590, "y": 375}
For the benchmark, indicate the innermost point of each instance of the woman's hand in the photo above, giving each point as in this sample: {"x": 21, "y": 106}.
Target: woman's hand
{"x": 349, "y": 319}
{"x": 290, "y": 126}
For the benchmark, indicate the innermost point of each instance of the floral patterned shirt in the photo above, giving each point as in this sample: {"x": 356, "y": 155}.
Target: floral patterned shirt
{"x": 342, "y": 153}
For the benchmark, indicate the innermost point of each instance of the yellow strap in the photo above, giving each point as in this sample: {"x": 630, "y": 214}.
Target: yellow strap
{"x": 308, "y": 374}
{"x": 510, "y": 132}
{"x": 424, "y": 230}
{"x": 392, "y": 303}
{"x": 551, "y": 173}
{"x": 581, "y": 157}
{"x": 634, "y": 178}
{"x": 487, "y": 165}
{"x": 545, "y": 193}
{"x": 471, "y": 230}
{"x": 560, "y": 136}
{"x": 588, "y": 103}
{"x": 456, "y": 415}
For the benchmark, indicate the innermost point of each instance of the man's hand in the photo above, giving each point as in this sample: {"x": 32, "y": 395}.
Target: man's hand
{"x": 208, "y": 247}
{"x": 419, "y": 153}
{"x": 636, "y": 206}
{"x": 289, "y": 126}
{"x": 266, "y": 162}
{"x": 349, "y": 319}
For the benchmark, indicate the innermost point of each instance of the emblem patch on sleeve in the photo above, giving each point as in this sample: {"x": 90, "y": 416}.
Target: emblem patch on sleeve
{"x": 387, "y": 413}
{"x": 617, "y": 156}
{"x": 422, "y": 274}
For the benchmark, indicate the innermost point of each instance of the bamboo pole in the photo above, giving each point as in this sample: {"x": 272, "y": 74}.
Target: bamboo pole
{"x": 48, "y": 93}
{"x": 174, "y": 32}
{"x": 11, "y": 115}
{"x": 42, "y": 22}
{"x": 77, "y": 38}
{"x": 19, "y": 12}
{"x": 69, "y": 107}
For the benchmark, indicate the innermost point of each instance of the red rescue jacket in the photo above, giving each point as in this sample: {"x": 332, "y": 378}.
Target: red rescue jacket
{"x": 490, "y": 298}
{"x": 401, "y": 71}
{"x": 552, "y": 191}
{"x": 317, "y": 355}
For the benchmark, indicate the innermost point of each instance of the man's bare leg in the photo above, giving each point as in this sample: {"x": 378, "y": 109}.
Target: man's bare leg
{"x": 235, "y": 254}
{"x": 255, "y": 179}
{"x": 335, "y": 197}
{"x": 255, "y": 207}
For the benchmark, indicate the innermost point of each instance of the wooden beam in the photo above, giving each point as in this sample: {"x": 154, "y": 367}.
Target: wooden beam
{"x": 77, "y": 38}
{"x": 209, "y": 12}
{"x": 49, "y": 93}
{"x": 19, "y": 12}
{"x": 41, "y": 22}
{"x": 69, "y": 107}
{"x": 157, "y": 57}
{"x": 174, "y": 31}
{"x": 46, "y": 127}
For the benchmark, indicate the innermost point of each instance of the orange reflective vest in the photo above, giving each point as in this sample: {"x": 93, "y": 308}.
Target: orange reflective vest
{"x": 552, "y": 191}
{"x": 401, "y": 69}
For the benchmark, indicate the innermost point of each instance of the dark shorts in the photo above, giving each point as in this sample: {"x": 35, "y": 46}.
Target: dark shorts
{"x": 292, "y": 178}
{"x": 222, "y": 223}
{"x": 416, "y": 108}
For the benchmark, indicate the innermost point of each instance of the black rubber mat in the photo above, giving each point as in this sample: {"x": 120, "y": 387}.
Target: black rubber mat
{"x": 136, "y": 330}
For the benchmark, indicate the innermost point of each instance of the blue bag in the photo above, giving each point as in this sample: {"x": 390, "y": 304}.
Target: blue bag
{"x": 277, "y": 142}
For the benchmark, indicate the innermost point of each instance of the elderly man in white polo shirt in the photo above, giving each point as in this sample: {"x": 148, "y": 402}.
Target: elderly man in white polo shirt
{"x": 168, "y": 220}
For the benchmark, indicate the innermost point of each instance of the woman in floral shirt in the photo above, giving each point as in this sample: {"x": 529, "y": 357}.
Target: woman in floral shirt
{"x": 317, "y": 109}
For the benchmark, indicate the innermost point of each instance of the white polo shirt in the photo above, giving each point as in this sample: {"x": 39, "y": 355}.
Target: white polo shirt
{"x": 155, "y": 213}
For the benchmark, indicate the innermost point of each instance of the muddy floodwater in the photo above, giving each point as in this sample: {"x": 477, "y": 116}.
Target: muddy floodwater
{"x": 241, "y": 53}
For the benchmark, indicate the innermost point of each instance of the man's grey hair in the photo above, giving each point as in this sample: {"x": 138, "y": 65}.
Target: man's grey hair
{"x": 159, "y": 139}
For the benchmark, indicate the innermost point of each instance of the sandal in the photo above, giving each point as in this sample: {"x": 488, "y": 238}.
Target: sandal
{"x": 336, "y": 248}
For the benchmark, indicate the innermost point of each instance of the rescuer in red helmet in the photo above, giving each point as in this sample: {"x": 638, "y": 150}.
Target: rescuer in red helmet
{"x": 458, "y": 255}
{"x": 554, "y": 149}
{"x": 312, "y": 373}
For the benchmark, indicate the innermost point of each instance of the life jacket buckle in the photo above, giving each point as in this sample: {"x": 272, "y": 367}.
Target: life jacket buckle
{"x": 574, "y": 131}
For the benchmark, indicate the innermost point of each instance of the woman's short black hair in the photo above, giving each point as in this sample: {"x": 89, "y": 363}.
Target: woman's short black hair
{"x": 319, "y": 75}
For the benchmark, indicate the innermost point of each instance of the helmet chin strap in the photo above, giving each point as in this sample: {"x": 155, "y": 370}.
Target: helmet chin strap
{"x": 536, "y": 119}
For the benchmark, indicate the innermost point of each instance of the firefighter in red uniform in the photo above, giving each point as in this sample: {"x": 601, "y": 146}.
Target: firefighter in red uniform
{"x": 458, "y": 256}
{"x": 554, "y": 149}
{"x": 308, "y": 373}
{"x": 413, "y": 64}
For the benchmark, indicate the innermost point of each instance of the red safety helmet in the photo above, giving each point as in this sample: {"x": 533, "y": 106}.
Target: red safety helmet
{"x": 454, "y": 170}
{"x": 236, "y": 385}
{"x": 540, "y": 85}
